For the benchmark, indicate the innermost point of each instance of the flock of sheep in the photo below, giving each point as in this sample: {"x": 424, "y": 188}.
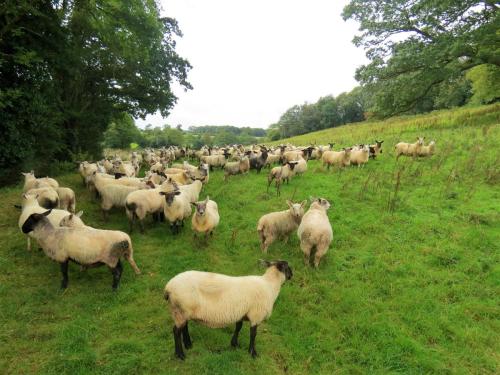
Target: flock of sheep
{"x": 169, "y": 191}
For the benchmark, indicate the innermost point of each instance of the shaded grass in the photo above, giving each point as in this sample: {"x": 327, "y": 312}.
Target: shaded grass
{"x": 410, "y": 284}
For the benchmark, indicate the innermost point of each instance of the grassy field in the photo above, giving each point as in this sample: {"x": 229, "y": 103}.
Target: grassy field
{"x": 411, "y": 283}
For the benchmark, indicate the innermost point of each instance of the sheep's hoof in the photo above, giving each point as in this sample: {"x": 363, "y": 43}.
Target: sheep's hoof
{"x": 253, "y": 353}
{"x": 234, "y": 343}
{"x": 188, "y": 345}
{"x": 181, "y": 356}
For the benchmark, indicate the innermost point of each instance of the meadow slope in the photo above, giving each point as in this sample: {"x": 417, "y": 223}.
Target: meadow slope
{"x": 411, "y": 283}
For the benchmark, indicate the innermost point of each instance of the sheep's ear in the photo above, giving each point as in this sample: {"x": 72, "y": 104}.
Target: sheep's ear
{"x": 207, "y": 199}
{"x": 24, "y": 196}
{"x": 162, "y": 193}
{"x": 264, "y": 263}
{"x": 47, "y": 213}
{"x": 289, "y": 203}
{"x": 17, "y": 206}
{"x": 177, "y": 192}
{"x": 79, "y": 214}
{"x": 71, "y": 216}
{"x": 303, "y": 204}
{"x": 311, "y": 198}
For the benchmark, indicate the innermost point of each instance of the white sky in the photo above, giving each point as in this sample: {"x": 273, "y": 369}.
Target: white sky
{"x": 252, "y": 60}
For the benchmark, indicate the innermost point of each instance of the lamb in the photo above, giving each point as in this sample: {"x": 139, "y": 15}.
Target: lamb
{"x": 67, "y": 200}
{"x": 205, "y": 217}
{"x": 338, "y": 158}
{"x": 30, "y": 206}
{"x": 279, "y": 224}
{"x": 140, "y": 203}
{"x": 30, "y": 180}
{"x": 192, "y": 191}
{"x": 217, "y": 300}
{"x": 236, "y": 167}
{"x": 46, "y": 196}
{"x": 176, "y": 208}
{"x": 360, "y": 157}
{"x": 315, "y": 231}
{"x": 409, "y": 149}
{"x": 281, "y": 174}
{"x": 376, "y": 149}
{"x": 87, "y": 247}
{"x": 427, "y": 150}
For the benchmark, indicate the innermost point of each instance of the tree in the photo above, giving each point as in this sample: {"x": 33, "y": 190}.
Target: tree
{"x": 485, "y": 83}
{"x": 122, "y": 132}
{"x": 416, "y": 46}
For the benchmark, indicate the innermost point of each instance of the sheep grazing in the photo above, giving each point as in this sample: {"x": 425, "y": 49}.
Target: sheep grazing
{"x": 427, "y": 150}
{"x": 176, "y": 208}
{"x": 30, "y": 206}
{"x": 360, "y": 157}
{"x": 338, "y": 158}
{"x": 205, "y": 217}
{"x": 409, "y": 149}
{"x": 67, "y": 200}
{"x": 30, "y": 181}
{"x": 376, "y": 149}
{"x": 281, "y": 174}
{"x": 279, "y": 224}
{"x": 315, "y": 231}
{"x": 236, "y": 167}
{"x": 87, "y": 247}
{"x": 217, "y": 300}
{"x": 46, "y": 196}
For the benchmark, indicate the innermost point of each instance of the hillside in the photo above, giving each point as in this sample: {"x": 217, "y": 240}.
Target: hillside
{"x": 410, "y": 284}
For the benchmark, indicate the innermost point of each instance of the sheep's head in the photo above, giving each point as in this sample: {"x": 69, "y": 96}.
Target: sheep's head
{"x": 281, "y": 265}
{"x": 420, "y": 140}
{"x": 201, "y": 207}
{"x": 28, "y": 175}
{"x": 379, "y": 143}
{"x": 72, "y": 220}
{"x": 29, "y": 198}
{"x": 296, "y": 209}
{"x": 347, "y": 151}
{"x": 33, "y": 220}
{"x": 322, "y": 202}
{"x": 170, "y": 194}
{"x": 292, "y": 164}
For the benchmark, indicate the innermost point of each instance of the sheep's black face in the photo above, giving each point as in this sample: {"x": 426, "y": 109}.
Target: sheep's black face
{"x": 33, "y": 220}
{"x": 283, "y": 267}
{"x": 169, "y": 197}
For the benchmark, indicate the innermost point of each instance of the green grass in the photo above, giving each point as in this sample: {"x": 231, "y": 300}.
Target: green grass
{"x": 410, "y": 284}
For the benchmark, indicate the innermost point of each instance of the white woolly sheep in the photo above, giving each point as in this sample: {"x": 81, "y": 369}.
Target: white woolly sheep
{"x": 301, "y": 166}
{"x": 315, "y": 231}
{"x": 236, "y": 167}
{"x": 338, "y": 158}
{"x": 360, "y": 157}
{"x": 46, "y": 196}
{"x": 140, "y": 203}
{"x": 30, "y": 180}
{"x": 192, "y": 191}
{"x": 114, "y": 196}
{"x": 87, "y": 247}
{"x": 278, "y": 224}
{"x": 176, "y": 208}
{"x": 217, "y": 300}
{"x": 427, "y": 150}
{"x": 205, "y": 217}
{"x": 409, "y": 149}
{"x": 67, "y": 200}
{"x": 281, "y": 174}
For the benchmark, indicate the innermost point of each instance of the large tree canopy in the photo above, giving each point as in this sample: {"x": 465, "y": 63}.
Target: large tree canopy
{"x": 68, "y": 68}
{"x": 417, "y": 46}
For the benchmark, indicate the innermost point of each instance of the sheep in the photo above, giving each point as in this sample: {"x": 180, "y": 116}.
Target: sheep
{"x": 216, "y": 160}
{"x": 258, "y": 162}
{"x": 114, "y": 196}
{"x": 427, "y": 150}
{"x": 236, "y": 167}
{"x": 140, "y": 203}
{"x": 30, "y": 181}
{"x": 338, "y": 158}
{"x": 409, "y": 149}
{"x": 67, "y": 200}
{"x": 281, "y": 174}
{"x": 176, "y": 208}
{"x": 301, "y": 166}
{"x": 376, "y": 149}
{"x": 279, "y": 224}
{"x": 192, "y": 191}
{"x": 183, "y": 178}
{"x": 46, "y": 196}
{"x": 205, "y": 217}
{"x": 360, "y": 157}
{"x": 217, "y": 300}
{"x": 73, "y": 221}
{"x": 87, "y": 247}
{"x": 315, "y": 231}
{"x": 30, "y": 206}
{"x": 272, "y": 159}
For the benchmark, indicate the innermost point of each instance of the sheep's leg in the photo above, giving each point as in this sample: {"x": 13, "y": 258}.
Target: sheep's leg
{"x": 132, "y": 263}
{"x": 179, "y": 352}
{"x": 28, "y": 244}
{"x": 306, "y": 249}
{"x": 251, "y": 348}
{"x": 64, "y": 271}
{"x": 141, "y": 225}
{"x": 117, "y": 274}
{"x": 131, "y": 224}
{"x": 234, "y": 339}
{"x": 186, "y": 338}
{"x": 320, "y": 251}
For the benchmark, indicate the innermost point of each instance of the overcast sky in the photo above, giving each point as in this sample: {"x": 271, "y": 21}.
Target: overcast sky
{"x": 252, "y": 60}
